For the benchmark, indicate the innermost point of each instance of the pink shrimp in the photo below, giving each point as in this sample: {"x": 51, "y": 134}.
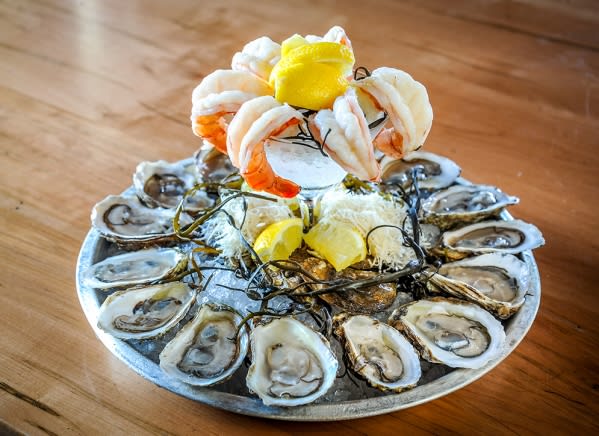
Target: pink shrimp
{"x": 346, "y": 137}
{"x": 406, "y": 103}
{"x": 255, "y": 122}
{"x": 258, "y": 57}
{"x": 217, "y": 98}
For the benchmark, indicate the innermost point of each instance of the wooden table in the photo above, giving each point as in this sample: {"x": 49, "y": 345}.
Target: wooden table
{"x": 90, "y": 88}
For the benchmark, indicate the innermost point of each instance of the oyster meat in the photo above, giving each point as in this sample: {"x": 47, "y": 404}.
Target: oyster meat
{"x": 450, "y": 331}
{"x": 466, "y": 204}
{"x": 163, "y": 184}
{"x": 207, "y": 350}
{"x": 497, "y": 282}
{"x": 436, "y": 171}
{"x": 291, "y": 363}
{"x": 378, "y": 352}
{"x": 135, "y": 268}
{"x": 127, "y": 222}
{"x": 511, "y": 237}
{"x": 430, "y": 236}
{"x": 141, "y": 313}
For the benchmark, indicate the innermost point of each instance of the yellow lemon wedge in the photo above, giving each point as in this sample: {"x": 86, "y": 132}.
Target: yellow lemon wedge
{"x": 323, "y": 52}
{"x": 311, "y": 75}
{"x": 279, "y": 240}
{"x": 339, "y": 243}
{"x": 311, "y": 86}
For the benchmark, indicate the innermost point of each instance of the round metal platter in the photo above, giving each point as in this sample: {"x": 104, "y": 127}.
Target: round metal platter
{"x": 437, "y": 381}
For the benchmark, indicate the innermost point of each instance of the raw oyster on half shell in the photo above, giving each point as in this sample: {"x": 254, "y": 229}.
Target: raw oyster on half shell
{"x": 464, "y": 204}
{"x": 207, "y": 350}
{"x": 378, "y": 352}
{"x": 163, "y": 184}
{"x": 510, "y": 237}
{"x": 450, "y": 331}
{"x": 135, "y": 268}
{"x": 497, "y": 282}
{"x": 127, "y": 222}
{"x": 147, "y": 312}
{"x": 291, "y": 363}
{"x": 437, "y": 171}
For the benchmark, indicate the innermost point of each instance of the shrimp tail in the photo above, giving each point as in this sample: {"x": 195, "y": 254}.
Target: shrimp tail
{"x": 390, "y": 142}
{"x": 213, "y": 129}
{"x": 260, "y": 176}
{"x": 284, "y": 188}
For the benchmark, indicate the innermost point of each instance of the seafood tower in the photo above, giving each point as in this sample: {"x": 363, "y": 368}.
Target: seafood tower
{"x": 219, "y": 260}
{"x": 296, "y": 116}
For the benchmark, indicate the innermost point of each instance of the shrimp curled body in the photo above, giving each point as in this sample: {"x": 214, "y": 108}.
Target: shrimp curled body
{"x": 406, "y": 103}
{"x": 256, "y": 121}
{"x": 219, "y": 95}
{"x": 345, "y": 136}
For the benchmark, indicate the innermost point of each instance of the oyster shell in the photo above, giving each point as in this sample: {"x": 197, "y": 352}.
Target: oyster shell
{"x": 163, "y": 184}
{"x": 378, "y": 352}
{"x": 430, "y": 235}
{"x": 212, "y": 165}
{"x": 438, "y": 171}
{"x": 372, "y": 299}
{"x": 497, "y": 282}
{"x": 147, "y": 312}
{"x": 135, "y": 268}
{"x": 464, "y": 204}
{"x": 291, "y": 363}
{"x": 510, "y": 237}
{"x": 450, "y": 331}
{"x": 206, "y": 350}
{"x": 127, "y": 222}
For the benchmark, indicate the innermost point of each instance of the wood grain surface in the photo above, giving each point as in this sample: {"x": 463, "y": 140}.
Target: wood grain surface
{"x": 90, "y": 88}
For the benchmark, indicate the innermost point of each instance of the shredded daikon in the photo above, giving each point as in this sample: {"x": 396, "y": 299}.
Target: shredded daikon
{"x": 366, "y": 212}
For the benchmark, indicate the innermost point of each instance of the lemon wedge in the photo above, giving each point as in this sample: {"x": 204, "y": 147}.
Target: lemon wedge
{"x": 322, "y": 52}
{"x": 339, "y": 243}
{"x": 311, "y": 75}
{"x": 313, "y": 86}
{"x": 279, "y": 240}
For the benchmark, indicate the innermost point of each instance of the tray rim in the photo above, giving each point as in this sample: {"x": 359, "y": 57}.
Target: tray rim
{"x": 518, "y": 327}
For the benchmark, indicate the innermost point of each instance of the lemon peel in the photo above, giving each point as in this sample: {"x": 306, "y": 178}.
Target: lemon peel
{"x": 311, "y": 75}
{"x": 312, "y": 87}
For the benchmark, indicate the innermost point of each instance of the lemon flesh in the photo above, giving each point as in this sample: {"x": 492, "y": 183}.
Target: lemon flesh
{"x": 279, "y": 240}
{"x": 341, "y": 244}
{"x": 292, "y": 42}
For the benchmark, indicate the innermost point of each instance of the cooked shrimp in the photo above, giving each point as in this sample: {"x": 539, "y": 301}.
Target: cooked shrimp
{"x": 335, "y": 34}
{"x": 255, "y": 122}
{"x": 406, "y": 103}
{"x": 219, "y": 95}
{"x": 346, "y": 137}
{"x": 258, "y": 57}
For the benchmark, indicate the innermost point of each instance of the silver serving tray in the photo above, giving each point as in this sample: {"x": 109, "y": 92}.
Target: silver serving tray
{"x": 437, "y": 381}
